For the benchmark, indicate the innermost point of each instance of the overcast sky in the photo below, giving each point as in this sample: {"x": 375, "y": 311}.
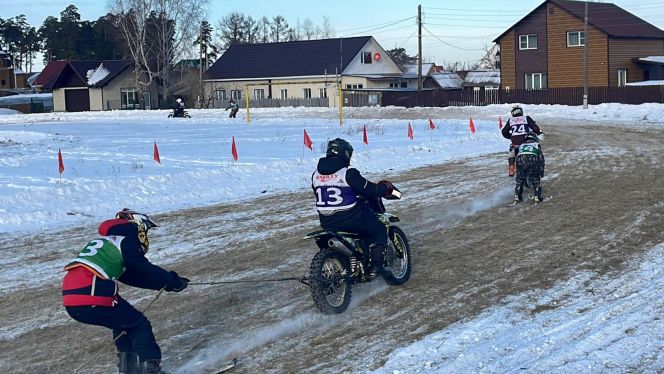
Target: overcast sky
{"x": 453, "y": 31}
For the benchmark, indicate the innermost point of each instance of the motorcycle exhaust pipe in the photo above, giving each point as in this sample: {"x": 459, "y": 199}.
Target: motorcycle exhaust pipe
{"x": 336, "y": 245}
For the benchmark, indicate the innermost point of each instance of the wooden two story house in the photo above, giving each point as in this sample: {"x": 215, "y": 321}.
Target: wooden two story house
{"x": 545, "y": 49}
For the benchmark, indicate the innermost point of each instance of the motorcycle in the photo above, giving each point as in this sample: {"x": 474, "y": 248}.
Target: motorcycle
{"x": 185, "y": 114}
{"x": 343, "y": 260}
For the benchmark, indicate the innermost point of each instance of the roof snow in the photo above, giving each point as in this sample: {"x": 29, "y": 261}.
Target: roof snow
{"x": 96, "y": 75}
{"x": 657, "y": 59}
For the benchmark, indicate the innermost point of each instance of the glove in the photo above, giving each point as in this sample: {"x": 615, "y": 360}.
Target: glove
{"x": 390, "y": 187}
{"x": 181, "y": 283}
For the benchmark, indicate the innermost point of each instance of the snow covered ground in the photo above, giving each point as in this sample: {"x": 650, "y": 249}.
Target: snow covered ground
{"x": 108, "y": 160}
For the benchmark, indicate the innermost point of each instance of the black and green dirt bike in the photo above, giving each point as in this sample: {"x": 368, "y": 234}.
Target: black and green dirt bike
{"x": 344, "y": 260}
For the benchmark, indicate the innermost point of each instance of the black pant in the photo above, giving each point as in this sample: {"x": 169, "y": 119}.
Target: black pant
{"x": 361, "y": 220}
{"x": 122, "y": 317}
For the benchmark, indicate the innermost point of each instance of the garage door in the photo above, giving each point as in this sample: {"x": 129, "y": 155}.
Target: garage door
{"x": 77, "y": 100}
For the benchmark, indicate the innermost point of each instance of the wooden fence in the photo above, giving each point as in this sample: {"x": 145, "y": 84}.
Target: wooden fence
{"x": 563, "y": 96}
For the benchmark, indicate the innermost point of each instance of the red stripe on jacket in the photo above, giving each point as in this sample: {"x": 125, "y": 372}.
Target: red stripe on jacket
{"x": 80, "y": 278}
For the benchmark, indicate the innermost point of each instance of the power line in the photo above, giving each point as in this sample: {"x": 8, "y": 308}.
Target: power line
{"x": 449, "y": 44}
{"x": 376, "y": 26}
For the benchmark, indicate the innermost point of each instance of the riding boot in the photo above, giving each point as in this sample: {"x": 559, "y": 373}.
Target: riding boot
{"x": 151, "y": 367}
{"x": 511, "y": 168}
{"x": 128, "y": 363}
{"x": 377, "y": 255}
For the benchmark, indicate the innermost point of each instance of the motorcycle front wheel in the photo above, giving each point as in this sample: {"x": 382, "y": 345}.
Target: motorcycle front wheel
{"x": 399, "y": 272}
{"x": 330, "y": 288}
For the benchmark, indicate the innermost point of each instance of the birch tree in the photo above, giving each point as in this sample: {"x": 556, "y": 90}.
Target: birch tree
{"x": 157, "y": 32}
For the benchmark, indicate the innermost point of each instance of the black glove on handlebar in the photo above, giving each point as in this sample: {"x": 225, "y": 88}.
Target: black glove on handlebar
{"x": 389, "y": 187}
{"x": 181, "y": 283}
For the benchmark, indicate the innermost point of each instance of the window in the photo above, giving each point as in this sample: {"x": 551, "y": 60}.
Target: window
{"x": 535, "y": 81}
{"x": 322, "y": 92}
{"x": 306, "y": 93}
{"x": 366, "y": 57}
{"x": 2, "y": 82}
{"x": 129, "y": 98}
{"x": 283, "y": 93}
{"x": 220, "y": 95}
{"x": 576, "y": 39}
{"x": 354, "y": 86}
{"x": 402, "y": 84}
{"x": 622, "y": 77}
{"x": 236, "y": 94}
{"x": 259, "y": 93}
{"x": 528, "y": 41}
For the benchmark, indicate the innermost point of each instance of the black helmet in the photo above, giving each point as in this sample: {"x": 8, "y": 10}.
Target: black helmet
{"x": 517, "y": 111}
{"x": 531, "y": 136}
{"x": 142, "y": 222}
{"x": 340, "y": 148}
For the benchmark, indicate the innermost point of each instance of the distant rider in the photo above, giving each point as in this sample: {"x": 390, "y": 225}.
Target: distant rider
{"x": 90, "y": 288}
{"x": 515, "y": 129}
{"x": 232, "y": 105}
{"x": 529, "y": 167}
{"x": 337, "y": 187}
{"x": 178, "y": 110}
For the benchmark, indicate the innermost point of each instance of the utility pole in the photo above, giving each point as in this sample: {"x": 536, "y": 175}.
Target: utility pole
{"x": 585, "y": 56}
{"x": 419, "y": 53}
{"x": 202, "y": 60}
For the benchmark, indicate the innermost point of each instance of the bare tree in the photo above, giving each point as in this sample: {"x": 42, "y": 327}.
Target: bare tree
{"x": 279, "y": 29}
{"x": 488, "y": 61}
{"x": 263, "y": 30}
{"x": 308, "y": 29}
{"x": 157, "y": 32}
{"x": 327, "y": 31}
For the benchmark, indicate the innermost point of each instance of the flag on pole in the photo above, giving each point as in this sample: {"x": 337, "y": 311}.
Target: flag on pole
{"x": 500, "y": 122}
{"x": 431, "y": 125}
{"x": 155, "y": 155}
{"x": 364, "y": 136}
{"x": 410, "y": 131}
{"x": 61, "y": 165}
{"x": 234, "y": 150}
{"x": 307, "y": 140}
{"x": 472, "y": 126}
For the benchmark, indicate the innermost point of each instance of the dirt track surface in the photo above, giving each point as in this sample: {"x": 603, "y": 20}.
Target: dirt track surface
{"x": 469, "y": 252}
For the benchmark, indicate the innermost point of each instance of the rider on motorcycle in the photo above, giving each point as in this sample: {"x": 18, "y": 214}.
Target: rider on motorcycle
{"x": 529, "y": 167}
{"x": 337, "y": 188}
{"x": 515, "y": 129}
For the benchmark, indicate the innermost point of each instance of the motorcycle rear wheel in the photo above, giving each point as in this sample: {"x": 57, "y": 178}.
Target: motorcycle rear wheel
{"x": 330, "y": 288}
{"x": 399, "y": 272}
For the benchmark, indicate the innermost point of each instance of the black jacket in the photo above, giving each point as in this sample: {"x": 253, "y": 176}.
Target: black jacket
{"x": 139, "y": 271}
{"x": 518, "y": 139}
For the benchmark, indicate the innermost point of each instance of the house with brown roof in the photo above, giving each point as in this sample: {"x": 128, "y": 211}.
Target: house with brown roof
{"x": 95, "y": 85}
{"x": 545, "y": 49}
{"x": 11, "y": 77}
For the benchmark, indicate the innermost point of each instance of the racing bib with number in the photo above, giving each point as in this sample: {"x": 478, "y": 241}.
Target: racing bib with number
{"x": 519, "y": 125}
{"x": 104, "y": 256}
{"x": 333, "y": 192}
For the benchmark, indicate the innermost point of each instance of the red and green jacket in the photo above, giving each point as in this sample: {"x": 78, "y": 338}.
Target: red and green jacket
{"x": 92, "y": 276}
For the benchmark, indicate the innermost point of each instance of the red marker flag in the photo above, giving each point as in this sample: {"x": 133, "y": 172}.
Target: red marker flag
{"x": 410, "y": 131}
{"x": 364, "y": 136}
{"x": 155, "y": 155}
{"x": 500, "y": 122}
{"x": 234, "y": 150}
{"x": 472, "y": 125}
{"x": 61, "y": 165}
{"x": 431, "y": 125}
{"x": 307, "y": 140}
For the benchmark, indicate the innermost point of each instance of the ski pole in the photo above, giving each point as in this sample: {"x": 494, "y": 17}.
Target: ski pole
{"x": 123, "y": 333}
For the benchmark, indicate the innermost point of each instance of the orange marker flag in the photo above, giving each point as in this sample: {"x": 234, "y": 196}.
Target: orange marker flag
{"x": 471, "y": 125}
{"x": 431, "y": 125}
{"x": 410, "y": 131}
{"x": 234, "y": 150}
{"x": 61, "y": 165}
{"x": 364, "y": 137}
{"x": 307, "y": 140}
{"x": 500, "y": 122}
{"x": 155, "y": 155}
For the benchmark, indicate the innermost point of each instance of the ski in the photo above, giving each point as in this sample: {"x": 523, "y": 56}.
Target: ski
{"x": 230, "y": 365}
